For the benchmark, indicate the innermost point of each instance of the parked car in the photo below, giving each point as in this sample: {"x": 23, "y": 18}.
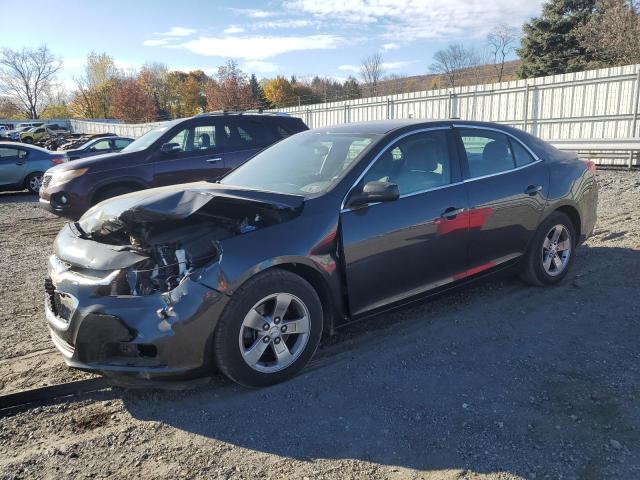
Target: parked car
{"x": 99, "y": 146}
{"x": 198, "y": 148}
{"x": 15, "y": 135}
{"x": 325, "y": 227}
{"x": 22, "y": 166}
{"x": 3, "y": 131}
{"x": 36, "y": 134}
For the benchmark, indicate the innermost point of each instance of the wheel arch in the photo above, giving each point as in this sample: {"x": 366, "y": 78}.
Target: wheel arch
{"x": 574, "y": 215}
{"x": 320, "y": 285}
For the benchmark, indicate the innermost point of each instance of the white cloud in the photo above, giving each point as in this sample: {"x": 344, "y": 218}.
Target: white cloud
{"x": 420, "y": 19}
{"x": 258, "y": 66}
{"x": 258, "y": 47}
{"x": 390, "y": 46}
{"x": 284, "y": 24}
{"x": 231, "y": 29}
{"x": 254, "y": 13}
{"x": 155, "y": 43}
{"x": 178, "y": 32}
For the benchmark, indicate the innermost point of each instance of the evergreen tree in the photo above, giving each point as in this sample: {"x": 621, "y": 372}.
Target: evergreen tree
{"x": 550, "y": 44}
{"x": 257, "y": 94}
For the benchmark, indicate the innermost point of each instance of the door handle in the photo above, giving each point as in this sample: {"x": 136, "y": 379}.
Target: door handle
{"x": 19, "y": 163}
{"x": 214, "y": 160}
{"x": 451, "y": 213}
{"x": 533, "y": 189}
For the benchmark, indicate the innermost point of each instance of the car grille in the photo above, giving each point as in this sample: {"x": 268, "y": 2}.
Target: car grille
{"x": 54, "y": 299}
{"x": 46, "y": 181}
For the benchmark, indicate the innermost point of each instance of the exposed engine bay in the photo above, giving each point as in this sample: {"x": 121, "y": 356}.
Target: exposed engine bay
{"x": 166, "y": 236}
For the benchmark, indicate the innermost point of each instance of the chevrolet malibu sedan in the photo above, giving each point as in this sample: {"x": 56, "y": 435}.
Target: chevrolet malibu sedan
{"x": 328, "y": 226}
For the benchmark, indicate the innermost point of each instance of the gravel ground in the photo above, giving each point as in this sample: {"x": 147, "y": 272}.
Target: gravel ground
{"x": 497, "y": 381}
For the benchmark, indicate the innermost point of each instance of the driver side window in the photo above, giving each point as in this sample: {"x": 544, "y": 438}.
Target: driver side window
{"x": 415, "y": 163}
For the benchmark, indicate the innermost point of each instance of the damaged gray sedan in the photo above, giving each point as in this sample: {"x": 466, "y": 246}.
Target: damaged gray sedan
{"x": 328, "y": 226}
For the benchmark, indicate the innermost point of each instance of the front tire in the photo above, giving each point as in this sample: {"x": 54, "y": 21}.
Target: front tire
{"x": 551, "y": 252}
{"x": 270, "y": 329}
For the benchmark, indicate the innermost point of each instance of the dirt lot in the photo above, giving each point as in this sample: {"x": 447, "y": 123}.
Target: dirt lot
{"x": 497, "y": 381}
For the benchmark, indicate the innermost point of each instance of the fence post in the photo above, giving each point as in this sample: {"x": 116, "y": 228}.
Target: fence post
{"x": 636, "y": 107}
{"x": 346, "y": 113}
{"x": 526, "y": 108}
{"x": 388, "y": 108}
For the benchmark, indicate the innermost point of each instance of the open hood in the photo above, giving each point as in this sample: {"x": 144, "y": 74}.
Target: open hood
{"x": 176, "y": 202}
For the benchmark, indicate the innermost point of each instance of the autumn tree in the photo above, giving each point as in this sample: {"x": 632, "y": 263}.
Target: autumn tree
{"x": 229, "y": 89}
{"x": 8, "y": 109}
{"x": 279, "y": 92}
{"x": 95, "y": 86}
{"x": 371, "y": 70}
{"x": 551, "y": 44}
{"x": 153, "y": 78}
{"x": 27, "y": 76}
{"x": 131, "y": 103}
{"x": 612, "y": 35}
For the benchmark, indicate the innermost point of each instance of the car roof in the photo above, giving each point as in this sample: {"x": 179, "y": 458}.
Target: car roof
{"x": 22, "y": 145}
{"x": 383, "y": 127}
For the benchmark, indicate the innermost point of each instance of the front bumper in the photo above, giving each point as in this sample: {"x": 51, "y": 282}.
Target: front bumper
{"x": 160, "y": 336}
{"x": 52, "y": 196}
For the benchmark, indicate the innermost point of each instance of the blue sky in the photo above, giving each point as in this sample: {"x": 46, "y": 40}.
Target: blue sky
{"x": 268, "y": 38}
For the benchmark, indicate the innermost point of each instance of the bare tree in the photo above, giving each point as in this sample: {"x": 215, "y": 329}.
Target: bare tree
{"x": 371, "y": 71}
{"x": 26, "y": 77}
{"x": 502, "y": 42}
{"x": 453, "y": 61}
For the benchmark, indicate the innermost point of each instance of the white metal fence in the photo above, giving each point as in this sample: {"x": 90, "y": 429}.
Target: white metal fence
{"x": 582, "y": 107}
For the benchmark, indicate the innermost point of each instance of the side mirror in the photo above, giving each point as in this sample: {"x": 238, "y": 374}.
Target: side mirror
{"x": 374, "y": 192}
{"x": 168, "y": 148}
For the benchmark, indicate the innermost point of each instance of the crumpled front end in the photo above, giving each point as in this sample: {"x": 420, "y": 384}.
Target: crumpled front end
{"x": 122, "y": 291}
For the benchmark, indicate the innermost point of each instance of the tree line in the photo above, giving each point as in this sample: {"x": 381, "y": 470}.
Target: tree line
{"x": 568, "y": 36}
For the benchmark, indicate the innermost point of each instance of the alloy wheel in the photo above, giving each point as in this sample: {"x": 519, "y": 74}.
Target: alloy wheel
{"x": 556, "y": 250}
{"x": 35, "y": 183}
{"x": 274, "y": 332}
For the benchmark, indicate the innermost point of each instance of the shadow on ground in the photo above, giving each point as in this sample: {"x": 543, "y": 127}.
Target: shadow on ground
{"x": 496, "y": 378}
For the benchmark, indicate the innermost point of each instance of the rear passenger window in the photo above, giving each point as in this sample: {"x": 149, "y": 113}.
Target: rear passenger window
{"x": 487, "y": 152}
{"x": 522, "y": 156}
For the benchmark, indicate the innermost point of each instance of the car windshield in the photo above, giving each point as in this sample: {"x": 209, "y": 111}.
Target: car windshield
{"x": 308, "y": 163}
{"x": 147, "y": 139}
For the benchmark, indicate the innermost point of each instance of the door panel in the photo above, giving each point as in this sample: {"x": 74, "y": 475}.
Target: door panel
{"x": 402, "y": 248}
{"x": 506, "y": 201}
{"x": 199, "y": 157}
{"x": 398, "y": 249}
{"x": 12, "y": 166}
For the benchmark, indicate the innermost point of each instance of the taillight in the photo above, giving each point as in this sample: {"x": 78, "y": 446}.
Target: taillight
{"x": 57, "y": 160}
{"x": 591, "y": 166}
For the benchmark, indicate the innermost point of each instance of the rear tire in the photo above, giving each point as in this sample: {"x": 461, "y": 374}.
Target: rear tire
{"x": 28, "y": 140}
{"x": 255, "y": 342}
{"x": 33, "y": 182}
{"x": 111, "y": 192}
{"x": 551, "y": 251}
